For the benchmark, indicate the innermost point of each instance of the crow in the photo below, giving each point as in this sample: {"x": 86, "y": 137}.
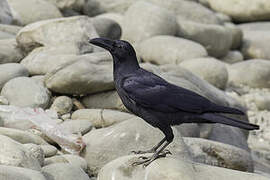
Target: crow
{"x": 158, "y": 102}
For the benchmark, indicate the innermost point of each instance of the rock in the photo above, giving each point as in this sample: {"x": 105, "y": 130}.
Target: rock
{"x": 11, "y": 70}
{"x": 215, "y": 38}
{"x": 254, "y": 26}
{"x": 28, "y": 11}
{"x": 199, "y": 13}
{"x": 101, "y": 117}
{"x": 9, "y": 52}
{"x": 95, "y": 7}
{"x": 68, "y": 4}
{"x": 253, "y": 73}
{"x": 243, "y": 10}
{"x": 5, "y": 35}
{"x": 144, "y": 20}
{"x": 169, "y": 50}
{"x": 48, "y": 150}
{"x": 62, "y": 105}
{"x": 223, "y": 17}
{"x": 189, "y": 129}
{"x": 20, "y": 136}
{"x": 75, "y": 31}
{"x": 260, "y": 99}
{"x": 81, "y": 126}
{"x": 36, "y": 152}
{"x": 255, "y": 44}
{"x": 43, "y": 59}
{"x": 219, "y": 154}
{"x": 67, "y": 158}
{"x": 133, "y": 134}
{"x": 170, "y": 169}
{"x": 233, "y": 57}
{"x": 15, "y": 154}
{"x": 39, "y": 79}
{"x": 107, "y": 28}
{"x": 113, "y": 16}
{"x": 12, "y": 29}
{"x": 60, "y": 171}
{"x": 104, "y": 100}
{"x": 18, "y": 173}
{"x": 237, "y": 35}
{"x": 5, "y": 13}
{"x": 3, "y": 101}
{"x": 88, "y": 74}
{"x": 214, "y": 71}
{"x": 25, "y": 92}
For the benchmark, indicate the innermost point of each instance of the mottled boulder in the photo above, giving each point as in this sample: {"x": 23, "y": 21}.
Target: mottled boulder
{"x": 9, "y": 52}
{"x": 75, "y": 31}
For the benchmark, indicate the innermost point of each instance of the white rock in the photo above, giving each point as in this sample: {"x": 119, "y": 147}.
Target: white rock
{"x": 25, "y": 92}
{"x": 9, "y": 52}
{"x": 62, "y": 105}
{"x": 11, "y": 70}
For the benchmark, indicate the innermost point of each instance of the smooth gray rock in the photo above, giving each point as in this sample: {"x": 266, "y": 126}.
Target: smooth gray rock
{"x": 11, "y": 70}
{"x": 12, "y": 29}
{"x": 5, "y": 13}
{"x": 237, "y": 35}
{"x": 113, "y": 16}
{"x": 81, "y": 126}
{"x": 170, "y": 169}
{"x": 255, "y": 44}
{"x": 67, "y": 158}
{"x": 60, "y": 171}
{"x": 144, "y": 20}
{"x": 216, "y": 39}
{"x": 133, "y": 134}
{"x": 21, "y": 136}
{"x": 101, "y": 117}
{"x": 95, "y": 7}
{"x": 255, "y": 26}
{"x": 213, "y": 71}
{"x": 75, "y": 31}
{"x": 68, "y": 4}
{"x": 219, "y": 154}
{"x": 253, "y": 73}
{"x": 5, "y": 35}
{"x": 18, "y": 173}
{"x": 45, "y": 59}
{"x": 107, "y": 28}
{"x": 169, "y": 50}
{"x": 15, "y": 154}
{"x": 48, "y": 150}
{"x": 62, "y": 105}
{"x": 182, "y": 9}
{"x": 28, "y": 11}
{"x": 3, "y": 101}
{"x": 104, "y": 100}
{"x": 9, "y": 52}
{"x": 88, "y": 74}
{"x": 233, "y": 57}
{"x": 228, "y": 135}
{"x": 243, "y": 10}
{"x": 25, "y": 92}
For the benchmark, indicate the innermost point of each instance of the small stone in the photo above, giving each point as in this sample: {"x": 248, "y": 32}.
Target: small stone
{"x": 79, "y": 126}
{"x": 49, "y": 150}
{"x": 233, "y": 57}
{"x": 62, "y": 105}
{"x": 37, "y": 152}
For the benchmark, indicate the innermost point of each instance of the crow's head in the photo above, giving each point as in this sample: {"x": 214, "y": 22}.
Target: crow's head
{"x": 119, "y": 49}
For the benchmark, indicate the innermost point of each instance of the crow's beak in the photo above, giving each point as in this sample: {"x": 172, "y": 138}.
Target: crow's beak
{"x": 102, "y": 42}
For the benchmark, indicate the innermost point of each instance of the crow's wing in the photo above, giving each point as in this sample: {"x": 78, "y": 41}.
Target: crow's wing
{"x": 151, "y": 91}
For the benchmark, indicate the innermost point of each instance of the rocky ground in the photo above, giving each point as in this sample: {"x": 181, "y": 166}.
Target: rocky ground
{"x": 61, "y": 117}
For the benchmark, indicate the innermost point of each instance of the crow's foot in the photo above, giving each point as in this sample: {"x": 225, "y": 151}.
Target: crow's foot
{"x": 147, "y": 160}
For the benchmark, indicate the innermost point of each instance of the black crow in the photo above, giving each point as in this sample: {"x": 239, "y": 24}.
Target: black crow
{"x": 159, "y": 102}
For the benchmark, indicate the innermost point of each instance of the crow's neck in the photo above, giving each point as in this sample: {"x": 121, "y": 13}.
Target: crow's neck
{"x": 125, "y": 66}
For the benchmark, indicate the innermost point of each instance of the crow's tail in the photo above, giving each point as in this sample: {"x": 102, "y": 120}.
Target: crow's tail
{"x": 224, "y": 109}
{"x": 218, "y": 118}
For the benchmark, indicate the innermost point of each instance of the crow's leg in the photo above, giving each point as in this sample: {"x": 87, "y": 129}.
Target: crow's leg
{"x": 160, "y": 153}
{"x": 152, "y": 150}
